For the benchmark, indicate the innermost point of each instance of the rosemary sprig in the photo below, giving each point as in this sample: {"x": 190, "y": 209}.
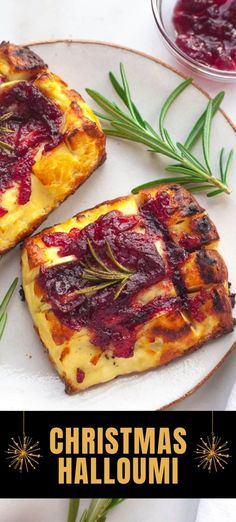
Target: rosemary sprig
{"x": 191, "y": 172}
{"x": 6, "y": 116}
{"x": 4, "y": 304}
{"x": 101, "y": 274}
{"x": 96, "y": 512}
{"x": 3, "y": 118}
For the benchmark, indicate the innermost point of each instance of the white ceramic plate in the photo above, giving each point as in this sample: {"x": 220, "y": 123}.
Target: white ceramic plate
{"x": 27, "y": 380}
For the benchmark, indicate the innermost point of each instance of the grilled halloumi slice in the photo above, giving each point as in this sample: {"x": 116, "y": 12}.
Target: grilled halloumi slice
{"x": 127, "y": 286}
{"x": 50, "y": 142}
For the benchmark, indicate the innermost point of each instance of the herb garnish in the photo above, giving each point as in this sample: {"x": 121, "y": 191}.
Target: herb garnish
{"x": 3, "y": 118}
{"x": 4, "y": 304}
{"x": 97, "y": 511}
{"x": 192, "y": 173}
{"x": 100, "y": 273}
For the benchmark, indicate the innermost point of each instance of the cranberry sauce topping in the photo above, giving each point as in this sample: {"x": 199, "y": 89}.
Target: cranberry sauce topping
{"x": 156, "y": 212}
{"x": 195, "y": 304}
{"x": 34, "y": 121}
{"x": 80, "y": 375}
{"x": 206, "y": 31}
{"x": 2, "y": 79}
{"x": 109, "y": 319}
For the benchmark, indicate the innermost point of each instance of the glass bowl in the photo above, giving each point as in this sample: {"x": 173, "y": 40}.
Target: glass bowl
{"x": 163, "y": 11}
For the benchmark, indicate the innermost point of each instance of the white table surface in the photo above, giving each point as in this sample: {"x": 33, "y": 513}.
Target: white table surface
{"x": 129, "y": 23}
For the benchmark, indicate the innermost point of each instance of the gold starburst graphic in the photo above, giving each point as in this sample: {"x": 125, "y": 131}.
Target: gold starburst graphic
{"x": 212, "y": 453}
{"x": 22, "y": 452}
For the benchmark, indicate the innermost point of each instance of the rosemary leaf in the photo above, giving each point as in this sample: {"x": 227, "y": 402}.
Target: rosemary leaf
{"x": 182, "y": 170}
{"x": 5, "y": 146}
{"x": 96, "y": 512}
{"x": 150, "y": 184}
{"x": 96, "y": 257}
{"x": 151, "y": 130}
{"x": 4, "y": 304}
{"x": 99, "y": 508}
{"x": 6, "y": 116}
{"x": 96, "y": 275}
{"x": 129, "y": 102}
{"x": 84, "y": 516}
{"x": 108, "y": 106}
{"x": 114, "y": 260}
{"x": 214, "y": 193}
{"x": 196, "y": 131}
{"x": 139, "y": 138}
{"x": 222, "y": 173}
{"x": 191, "y": 158}
{"x": 206, "y": 135}
{"x": 121, "y": 93}
{"x": 93, "y": 289}
{"x": 168, "y": 139}
{"x": 7, "y": 297}
{"x": 198, "y": 188}
{"x": 116, "y": 502}
{"x": 103, "y": 116}
{"x": 3, "y": 320}
{"x": 228, "y": 162}
{"x": 5, "y": 129}
{"x": 142, "y": 136}
{"x": 121, "y": 288}
{"x": 170, "y": 100}
{"x": 73, "y": 509}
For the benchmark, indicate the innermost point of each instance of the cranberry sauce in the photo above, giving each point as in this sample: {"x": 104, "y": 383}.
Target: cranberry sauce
{"x": 2, "y": 79}
{"x": 109, "y": 319}
{"x": 34, "y": 121}
{"x": 206, "y": 31}
{"x": 156, "y": 212}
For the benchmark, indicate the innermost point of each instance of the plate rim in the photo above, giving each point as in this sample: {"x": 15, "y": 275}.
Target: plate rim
{"x": 203, "y": 91}
{"x": 148, "y": 56}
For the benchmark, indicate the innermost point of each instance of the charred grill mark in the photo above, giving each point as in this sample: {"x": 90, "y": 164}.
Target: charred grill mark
{"x": 92, "y": 130}
{"x": 211, "y": 266}
{"x": 171, "y": 335}
{"x": 205, "y": 229}
{"x": 64, "y": 353}
{"x": 232, "y": 299}
{"x": 22, "y": 58}
{"x": 22, "y": 294}
{"x": 76, "y": 109}
{"x": 218, "y": 300}
{"x": 192, "y": 209}
{"x": 203, "y": 225}
{"x": 186, "y": 203}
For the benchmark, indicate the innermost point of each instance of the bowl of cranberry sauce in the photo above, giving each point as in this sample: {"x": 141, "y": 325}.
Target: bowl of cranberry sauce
{"x": 201, "y": 34}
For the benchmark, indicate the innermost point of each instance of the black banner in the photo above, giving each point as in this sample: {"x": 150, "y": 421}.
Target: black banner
{"x": 118, "y": 454}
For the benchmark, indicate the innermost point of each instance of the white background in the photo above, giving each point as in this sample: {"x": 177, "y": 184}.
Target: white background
{"x": 130, "y": 23}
